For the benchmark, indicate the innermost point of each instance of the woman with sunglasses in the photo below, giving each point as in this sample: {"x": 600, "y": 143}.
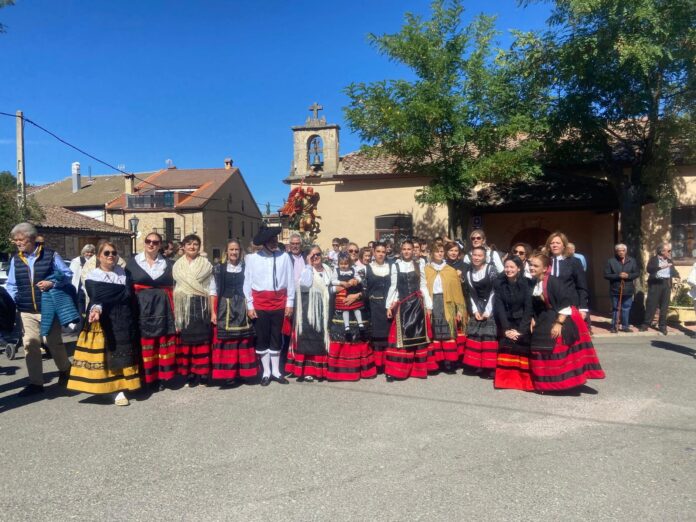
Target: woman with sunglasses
{"x": 193, "y": 274}
{"x": 513, "y": 314}
{"x": 309, "y": 344}
{"x": 105, "y": 360}
{"x": 522, "y": 251}
{"x": 478, "y": 239}
{"x": 234, "y": 352}
{"x": 410, "y": 305}
{"x": 481, "y": 348}
{"x": 562, "y": 355}
{"x": 150, "y": 273}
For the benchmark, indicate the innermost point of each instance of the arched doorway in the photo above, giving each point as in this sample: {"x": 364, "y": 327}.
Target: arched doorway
{"x": 535, "y": 237}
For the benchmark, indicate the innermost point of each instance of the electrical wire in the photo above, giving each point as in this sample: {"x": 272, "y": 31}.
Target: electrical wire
{"x": 81, "y": 151}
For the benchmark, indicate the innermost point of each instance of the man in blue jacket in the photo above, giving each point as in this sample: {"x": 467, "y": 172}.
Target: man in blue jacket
{"x": 30, "y": 269}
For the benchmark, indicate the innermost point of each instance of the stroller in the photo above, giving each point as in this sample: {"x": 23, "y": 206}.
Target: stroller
{"x": 10, "y": 331}
{"x": 11, "y": 341}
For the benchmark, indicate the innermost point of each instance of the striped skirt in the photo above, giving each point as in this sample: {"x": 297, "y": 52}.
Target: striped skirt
{"x": 301, "y": 365}
{"x": 350, "y": 362}
{"x": 193, "y": 359}
{"x": 481, "y": 347}
{"x": 512, "y": 369}
{"x": 566, "y": 367}
{"x": 89, "y": 374}
{"x": 234, "y": 358}
{"x": 159, "y": 358}
{"x": 402, "y": 364}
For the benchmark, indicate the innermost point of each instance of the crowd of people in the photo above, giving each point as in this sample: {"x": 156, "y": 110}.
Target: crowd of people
{"x": 281, "y": 311}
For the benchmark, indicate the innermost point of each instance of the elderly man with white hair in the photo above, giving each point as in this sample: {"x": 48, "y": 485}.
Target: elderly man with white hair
{"x": 661, "y": 272}
{"x": 621, "y": 271}
{"x": 35, "y": 269}
{"x": 76, "y": 265}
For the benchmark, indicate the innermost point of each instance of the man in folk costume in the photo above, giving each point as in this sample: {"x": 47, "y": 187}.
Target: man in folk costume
{"x": 270, "y": 293}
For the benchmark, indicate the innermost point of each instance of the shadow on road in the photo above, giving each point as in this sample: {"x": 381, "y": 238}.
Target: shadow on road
{"x": 672, "y": 347}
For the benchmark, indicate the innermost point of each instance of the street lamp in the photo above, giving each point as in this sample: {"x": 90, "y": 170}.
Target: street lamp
{"x": 133, "y": 222}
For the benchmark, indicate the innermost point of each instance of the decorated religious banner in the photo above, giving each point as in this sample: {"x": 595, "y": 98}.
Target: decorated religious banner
{"x": 301, "y": 210}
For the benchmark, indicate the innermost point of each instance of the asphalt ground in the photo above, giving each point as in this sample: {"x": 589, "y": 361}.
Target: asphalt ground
{"x": 447, "y": 448}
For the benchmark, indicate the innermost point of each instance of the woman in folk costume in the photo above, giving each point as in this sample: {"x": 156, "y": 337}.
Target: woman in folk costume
{"x": 449, "y": 309}
{"x": 105, "y": 360}
{"x": 234, "y": 356}
{"x": 193, "y": 274}
{"x": 481, "y": 348}
{"x": 378, "y": 280}
{"x": 513, "y": 314}
{"x": 568, "y": 270}
{"x": 309, "y": 346}
{"x": 269, "y": 288}
{"x": 562, "y": 354}
{"x": 153, "y": 283}
{"x": 410, "y": 305}
{"x": 453, "y": 257}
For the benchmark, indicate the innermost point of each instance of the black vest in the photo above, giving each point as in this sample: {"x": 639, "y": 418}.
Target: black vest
{"x": 28, "y": 297}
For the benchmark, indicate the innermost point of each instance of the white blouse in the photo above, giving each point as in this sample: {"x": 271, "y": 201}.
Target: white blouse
{"x": 407, "y": 267}
{"x": 156, "y": 270}
{"x": 477, "y": 275}
{"x": 380, "y": 270}
{"x": 539, "y": 292}
{"x": 232, "y": 269}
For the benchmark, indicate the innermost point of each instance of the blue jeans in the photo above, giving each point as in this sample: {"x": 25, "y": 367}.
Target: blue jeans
{"x": 626, "y": 302}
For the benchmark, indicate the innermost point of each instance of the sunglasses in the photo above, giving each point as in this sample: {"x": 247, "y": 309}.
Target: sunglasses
{"x": 520, "y": 253}
{"x": 352, "y": 251}
{"x": 334, "y": 244}
{"x": 109, "y": 253}
{"x": 474, "y": 238}
{"x": 152, "y": 242}
{"x": 314, "y": 256}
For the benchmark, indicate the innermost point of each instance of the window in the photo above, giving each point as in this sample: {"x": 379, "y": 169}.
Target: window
{"x": 683, "y": 232}
{"x": 396, "y": 227}
{"x": 315, "y": 152}
{"x": 242, "y": 205}
{"x": 243, "y": 232}
{"x": 216, "y": 254}
{"x": 229, "y": 229}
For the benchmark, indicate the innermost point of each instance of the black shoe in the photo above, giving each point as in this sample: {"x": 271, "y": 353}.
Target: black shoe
{"x": 300, "y": 379}
{"x": 231, "y": 383}
{"x": 613, "y": 330}
{"x": 643, "y": 328}
{"x": 390, "y": 378}
{"x": 280, "y": 379}
{"x": 663, "y": 330}
{"x": 63, "y": 378}
{"x": 192, "y": 381}
{"x": 31, "y": 389}
{"x": 265, "y": 381}
{"x": 161, "y": 386}
{"x": 203, "y": 381}
{"x": 349, "y": 336}
{"x": 626, "y": 329}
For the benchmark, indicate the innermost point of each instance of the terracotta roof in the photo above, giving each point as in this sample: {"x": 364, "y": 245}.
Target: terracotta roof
{"x": 61, "y": 218}
{"x": 100, "y": 191}
{"x": 205, "y": 182}
{"x": 360, "y": 163}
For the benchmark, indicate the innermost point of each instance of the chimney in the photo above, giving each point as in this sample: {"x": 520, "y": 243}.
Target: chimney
{"x": 76, "y": 178}
{"x": 228, "y": 163}
{"x": 130, "y": 184}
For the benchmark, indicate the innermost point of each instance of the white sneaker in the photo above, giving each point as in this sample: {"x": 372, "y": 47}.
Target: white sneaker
{"x": 121, "y": 399}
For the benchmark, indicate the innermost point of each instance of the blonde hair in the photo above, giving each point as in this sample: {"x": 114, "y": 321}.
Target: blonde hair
{"x": 560, "y": 235}
{"x": 223, "y": 260}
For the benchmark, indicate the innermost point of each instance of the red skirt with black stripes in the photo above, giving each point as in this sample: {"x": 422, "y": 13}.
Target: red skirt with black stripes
{"x": 234, "y": 358}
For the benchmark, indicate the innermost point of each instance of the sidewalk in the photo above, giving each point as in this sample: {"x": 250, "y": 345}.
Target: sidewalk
{"x": 601, "y": 325}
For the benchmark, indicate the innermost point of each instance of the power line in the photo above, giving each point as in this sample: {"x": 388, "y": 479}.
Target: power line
{"x": 81, "y": 151}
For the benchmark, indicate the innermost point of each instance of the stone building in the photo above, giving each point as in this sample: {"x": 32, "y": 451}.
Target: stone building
{"x": 215, "y": 204}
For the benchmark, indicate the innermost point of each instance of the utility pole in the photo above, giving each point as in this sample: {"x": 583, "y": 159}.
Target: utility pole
{"x": 21, "y": 179}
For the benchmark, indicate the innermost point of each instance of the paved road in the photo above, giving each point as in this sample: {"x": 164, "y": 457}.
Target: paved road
{"x": 449, "y": 448}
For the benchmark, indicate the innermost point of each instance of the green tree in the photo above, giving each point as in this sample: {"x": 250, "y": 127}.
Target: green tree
{"x": 467, "y": 117}
{"x": 5, "y": 3}
{"x": 10, "y": 212}
{"x": 620, "y": 75}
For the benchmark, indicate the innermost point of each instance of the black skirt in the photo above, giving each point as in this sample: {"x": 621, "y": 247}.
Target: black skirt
{"x": 232, "y": 319}
{"x": 198, "y": 330}
{"x": 310, "y": 341}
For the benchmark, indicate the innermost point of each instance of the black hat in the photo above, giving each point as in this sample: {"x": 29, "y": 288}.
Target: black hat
{"x": 265, "y": 234}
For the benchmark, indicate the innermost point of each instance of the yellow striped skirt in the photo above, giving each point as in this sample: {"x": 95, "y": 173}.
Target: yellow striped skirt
{"x": 89, "y": 373}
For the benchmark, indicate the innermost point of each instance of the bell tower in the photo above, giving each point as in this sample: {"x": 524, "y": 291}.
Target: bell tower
{"x": 315, "y": 147}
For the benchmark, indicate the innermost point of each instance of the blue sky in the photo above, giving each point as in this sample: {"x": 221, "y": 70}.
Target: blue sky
{"x": 137, "y": 83}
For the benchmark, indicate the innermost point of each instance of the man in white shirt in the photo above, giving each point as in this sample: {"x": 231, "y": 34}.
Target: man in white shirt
{"x": 269, "y": 288}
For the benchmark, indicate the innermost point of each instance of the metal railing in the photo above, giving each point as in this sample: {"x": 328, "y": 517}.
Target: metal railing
{"x": 165, "y": 200}
{"x": 169, "y": 235}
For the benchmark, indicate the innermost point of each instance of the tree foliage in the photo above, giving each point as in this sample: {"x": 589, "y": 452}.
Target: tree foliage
{"x": 10, "y": 212}
{"x": 5, "y": 3}
{"x": 467, "y": 117}
{"x": 621, "y": 86}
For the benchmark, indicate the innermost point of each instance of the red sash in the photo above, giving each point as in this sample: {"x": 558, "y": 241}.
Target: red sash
{"x": 167, "y": 290}
{"x": 270, "y": 300}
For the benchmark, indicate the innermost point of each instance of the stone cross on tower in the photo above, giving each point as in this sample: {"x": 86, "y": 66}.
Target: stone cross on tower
{"x": 315, "y": 108}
